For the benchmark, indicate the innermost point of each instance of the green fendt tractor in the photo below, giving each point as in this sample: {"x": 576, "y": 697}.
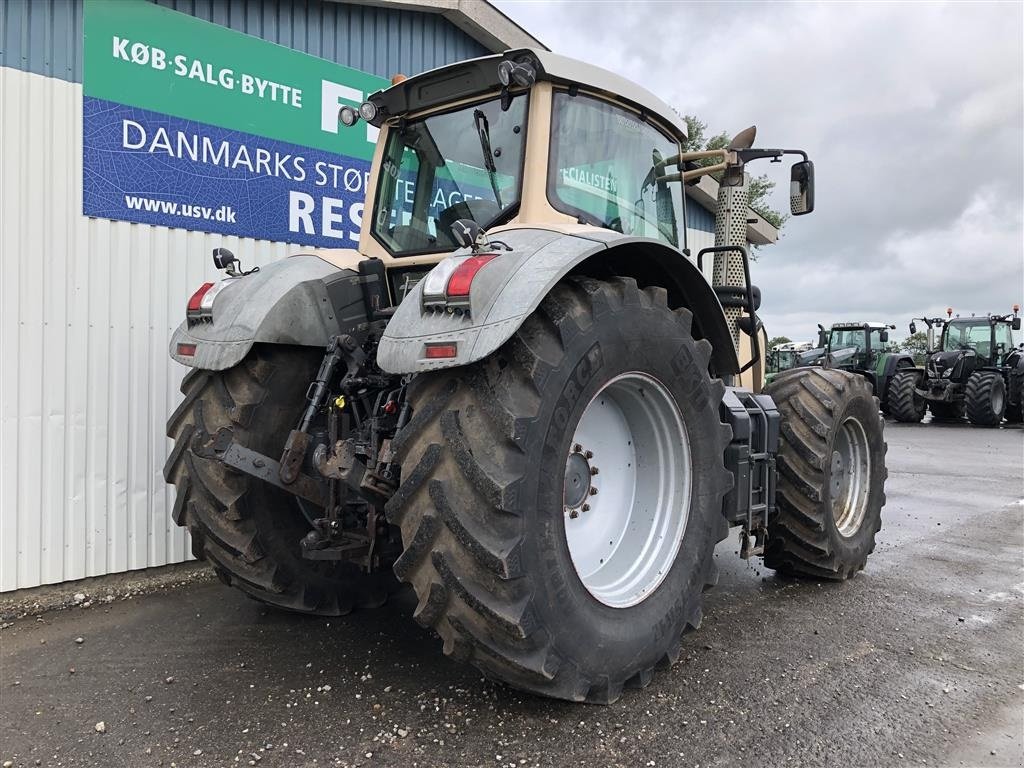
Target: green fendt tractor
{"x": 520, "y": 395}
{"x": 975, "y": 370}
{"x": 863, "y": 348}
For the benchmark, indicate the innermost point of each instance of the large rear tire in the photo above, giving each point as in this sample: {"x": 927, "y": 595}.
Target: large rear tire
{"x": 1015, "y": 395}
{"x": 903, "y": 402}
{"x": 248, "y": 529}
{"x": 985, "y": 398}
{"x": 831, "y": 480}
{"x": 491, "y": 466}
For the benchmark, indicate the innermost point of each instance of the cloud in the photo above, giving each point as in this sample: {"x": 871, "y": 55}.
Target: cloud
{"x": 913, "y": 114}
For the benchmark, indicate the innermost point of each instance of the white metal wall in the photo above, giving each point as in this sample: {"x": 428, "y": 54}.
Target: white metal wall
{"x": 87, "y": 307}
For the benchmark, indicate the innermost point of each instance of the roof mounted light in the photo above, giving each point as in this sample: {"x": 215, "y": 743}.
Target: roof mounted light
{"x": 516, "y": 73}
{"x": 368, "y": 111}
{"x": 398, "y": 78}
{"x": 348, "y": 116}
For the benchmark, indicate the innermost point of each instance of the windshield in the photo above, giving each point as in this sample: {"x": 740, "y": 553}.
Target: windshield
{"x": 782, "y": 360}
{"x": 852, "y": 338}
{"x": 976, "y": 335}
{"x": 465, "y": 164}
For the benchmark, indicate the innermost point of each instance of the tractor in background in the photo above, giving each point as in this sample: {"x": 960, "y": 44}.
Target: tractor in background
{"x": 784, "y": 356}
{"x": 975, "y": 370}
{"x": 863, "y": 348}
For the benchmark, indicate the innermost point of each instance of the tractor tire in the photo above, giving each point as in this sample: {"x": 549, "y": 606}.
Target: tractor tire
{"x": 1015, "y": 396}
{"x": 985, "y": 398}
{"x": 248, "y": 529}
{"x": 491, "y": 468}
{"x": 831, "y": 475}
{"x": 904, "y": 403}
{"x": 946, "y": 411}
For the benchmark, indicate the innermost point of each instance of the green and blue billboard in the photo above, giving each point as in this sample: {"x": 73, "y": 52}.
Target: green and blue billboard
{"x": 191, "y": 125}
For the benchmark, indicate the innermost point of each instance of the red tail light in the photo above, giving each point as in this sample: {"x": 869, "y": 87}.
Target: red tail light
{"x": 186, "y": 350}
{"x": 195, "y": 303}
{"x": 444, "y": 351}
{"x": 462, "y": 278}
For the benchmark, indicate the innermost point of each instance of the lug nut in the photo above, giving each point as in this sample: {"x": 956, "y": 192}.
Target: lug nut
{"x": 593, "y": 470}
{"x": 588, "y": 454}
{"x": 593, "y": 491}
{"x": 574, "y": 513}
{"x": 577, "y": 448}
{"x": 585, "y": 507}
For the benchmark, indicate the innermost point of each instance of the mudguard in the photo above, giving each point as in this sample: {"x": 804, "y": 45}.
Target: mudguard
{"x": 510, "y": 287}
{"x": 300, "y": 300}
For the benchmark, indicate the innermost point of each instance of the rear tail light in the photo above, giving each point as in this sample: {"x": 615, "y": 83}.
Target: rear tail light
{"x": 186, "y": 350}
{"x": 196, "y": 302}
{"x": 461, "y": 280}
{"x": 200, "y": 305}
{"x": 451, "y": 280}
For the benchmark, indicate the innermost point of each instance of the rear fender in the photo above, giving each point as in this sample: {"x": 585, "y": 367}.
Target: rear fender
{"x": 302, "y": 300}
{"x": 510, "y": 287}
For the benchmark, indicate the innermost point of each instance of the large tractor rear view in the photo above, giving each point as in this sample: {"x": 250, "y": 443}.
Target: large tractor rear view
{"x": 521, "y": 394}
{"x": 974, "y": 370}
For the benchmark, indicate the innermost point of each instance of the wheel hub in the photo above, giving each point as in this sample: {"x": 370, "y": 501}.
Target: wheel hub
{"x": 624, "y": 522}
{"x": 578, "y": 473}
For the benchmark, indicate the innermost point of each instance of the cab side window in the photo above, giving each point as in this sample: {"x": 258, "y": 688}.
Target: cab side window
{"x": 604, "y": 169}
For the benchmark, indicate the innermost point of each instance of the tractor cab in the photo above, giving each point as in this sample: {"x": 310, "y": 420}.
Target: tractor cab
{"x": 855, "y": 346}
{"x": 519, "y": 137}
{"x": 989, "y": 338}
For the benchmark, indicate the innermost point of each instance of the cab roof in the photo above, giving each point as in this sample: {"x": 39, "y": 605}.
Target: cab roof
{"x": 466, "y": 79}
{"x": 871, "y": 325}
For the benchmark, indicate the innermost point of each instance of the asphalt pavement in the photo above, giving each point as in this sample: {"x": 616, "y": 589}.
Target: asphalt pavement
{"x": 917, "y": 661}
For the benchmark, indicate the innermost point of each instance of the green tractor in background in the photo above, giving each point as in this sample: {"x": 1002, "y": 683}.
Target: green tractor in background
{"x": 863, "y": 348}
{"x": 784, "y": 356}
{"x": 975, "y": 370}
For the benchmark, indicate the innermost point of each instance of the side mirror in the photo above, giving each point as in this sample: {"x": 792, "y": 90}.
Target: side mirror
{"x": 1015, "y": 324}
{"x": 913, "y": 327}
{"x": 883, "y": 337}
{"x": 801, "y": 188}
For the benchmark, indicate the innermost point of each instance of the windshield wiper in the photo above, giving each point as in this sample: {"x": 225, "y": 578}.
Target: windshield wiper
{"x": 483, "y": 130}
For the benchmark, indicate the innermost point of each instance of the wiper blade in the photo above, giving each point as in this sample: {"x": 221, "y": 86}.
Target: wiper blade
{"x": 483, "y": 131}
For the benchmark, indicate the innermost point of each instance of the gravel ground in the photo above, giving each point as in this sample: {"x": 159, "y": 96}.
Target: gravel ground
{"x": 917, "y": 661}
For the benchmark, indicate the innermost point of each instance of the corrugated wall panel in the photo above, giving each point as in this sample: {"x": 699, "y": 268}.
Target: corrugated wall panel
{"x": 87, "y": 307}
{"x": 45, "y": 36}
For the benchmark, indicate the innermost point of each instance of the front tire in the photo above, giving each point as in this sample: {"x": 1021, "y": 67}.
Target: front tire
{"x": 485, "y": 505}
{"x": 248, "y": 529}
{"x": 985, "y": 398}
{"x": 831, "y": 475}
{"x": 903, "y": 401}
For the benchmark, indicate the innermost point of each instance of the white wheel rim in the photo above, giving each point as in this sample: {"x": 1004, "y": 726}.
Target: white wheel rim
{"x": 850, "y": 477}
{"x": 626, "y": 493}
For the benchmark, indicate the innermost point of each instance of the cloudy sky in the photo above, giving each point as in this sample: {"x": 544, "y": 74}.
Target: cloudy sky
{"x": 913, "y": 114}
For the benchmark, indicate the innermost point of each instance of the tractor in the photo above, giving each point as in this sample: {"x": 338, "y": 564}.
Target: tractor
{"x": 863, "y": 348}
{"x": 520, "y": 395}
{"x": 784, "y": 356}
{"x": 975, "y": 370}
